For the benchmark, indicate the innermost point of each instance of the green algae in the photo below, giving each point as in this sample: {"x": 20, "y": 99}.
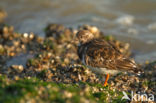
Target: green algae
{"x": 36, "y": 89}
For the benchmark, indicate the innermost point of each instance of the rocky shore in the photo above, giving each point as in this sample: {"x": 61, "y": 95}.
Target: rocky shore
{"x": 54, "y": 72}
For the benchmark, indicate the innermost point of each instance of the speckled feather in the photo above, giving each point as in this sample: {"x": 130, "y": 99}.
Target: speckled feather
{"x": 99, "y": 53}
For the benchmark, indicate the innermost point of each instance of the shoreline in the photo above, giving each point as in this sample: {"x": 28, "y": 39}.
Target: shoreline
{"x": 53, "y": 60}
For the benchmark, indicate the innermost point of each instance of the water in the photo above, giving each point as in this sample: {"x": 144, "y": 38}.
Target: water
{"x": 132, "y": 21}
{"x": 21, "y": 59}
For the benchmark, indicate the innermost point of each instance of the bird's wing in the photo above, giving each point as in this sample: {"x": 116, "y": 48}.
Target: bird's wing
{"x": 100, "y": 53}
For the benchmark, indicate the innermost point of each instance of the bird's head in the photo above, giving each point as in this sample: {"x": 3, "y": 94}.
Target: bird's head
{"x": 84, "y": 36}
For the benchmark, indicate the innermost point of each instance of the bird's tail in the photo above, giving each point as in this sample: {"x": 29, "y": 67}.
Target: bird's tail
{"x": 129, "y": 65}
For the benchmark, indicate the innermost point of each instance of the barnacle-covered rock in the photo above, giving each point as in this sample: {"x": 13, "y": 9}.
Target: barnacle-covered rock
{"x": 59, "y": 32}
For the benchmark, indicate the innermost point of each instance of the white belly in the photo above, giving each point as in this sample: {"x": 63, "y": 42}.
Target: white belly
{"x": 104, "y": 70}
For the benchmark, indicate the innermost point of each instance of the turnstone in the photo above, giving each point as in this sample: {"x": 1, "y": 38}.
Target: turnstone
{"x": 102, "y": 57}
{"x": 93, "y": 29}
{"x": 122, "y": 47}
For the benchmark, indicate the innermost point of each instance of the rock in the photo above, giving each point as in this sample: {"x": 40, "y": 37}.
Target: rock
{"x": 17, "y": 68}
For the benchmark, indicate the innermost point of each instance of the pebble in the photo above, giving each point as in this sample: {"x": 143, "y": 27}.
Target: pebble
{"x": 67, "y": 94}
{"x": 18, "y": 68}
{"x": 25, "y": 35}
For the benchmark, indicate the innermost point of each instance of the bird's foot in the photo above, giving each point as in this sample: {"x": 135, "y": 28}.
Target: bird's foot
{"x": 106, "y": 80}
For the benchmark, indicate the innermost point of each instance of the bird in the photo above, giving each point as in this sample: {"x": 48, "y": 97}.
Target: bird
{"x": 102, "y": 56}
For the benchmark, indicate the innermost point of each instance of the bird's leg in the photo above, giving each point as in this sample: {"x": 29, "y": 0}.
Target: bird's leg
{"x": 107, "y": 77}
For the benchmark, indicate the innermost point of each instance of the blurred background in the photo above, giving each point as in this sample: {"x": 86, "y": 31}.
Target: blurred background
{"x": 132, "y": 21}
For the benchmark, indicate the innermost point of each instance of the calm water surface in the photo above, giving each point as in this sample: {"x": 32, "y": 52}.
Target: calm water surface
{"x": 132, "y": 21}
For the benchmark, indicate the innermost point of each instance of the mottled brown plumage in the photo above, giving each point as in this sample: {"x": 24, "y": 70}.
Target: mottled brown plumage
{"x": 102, "y": 56}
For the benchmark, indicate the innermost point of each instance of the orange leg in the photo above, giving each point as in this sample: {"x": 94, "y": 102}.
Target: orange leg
{"x": 107, "y": 77}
